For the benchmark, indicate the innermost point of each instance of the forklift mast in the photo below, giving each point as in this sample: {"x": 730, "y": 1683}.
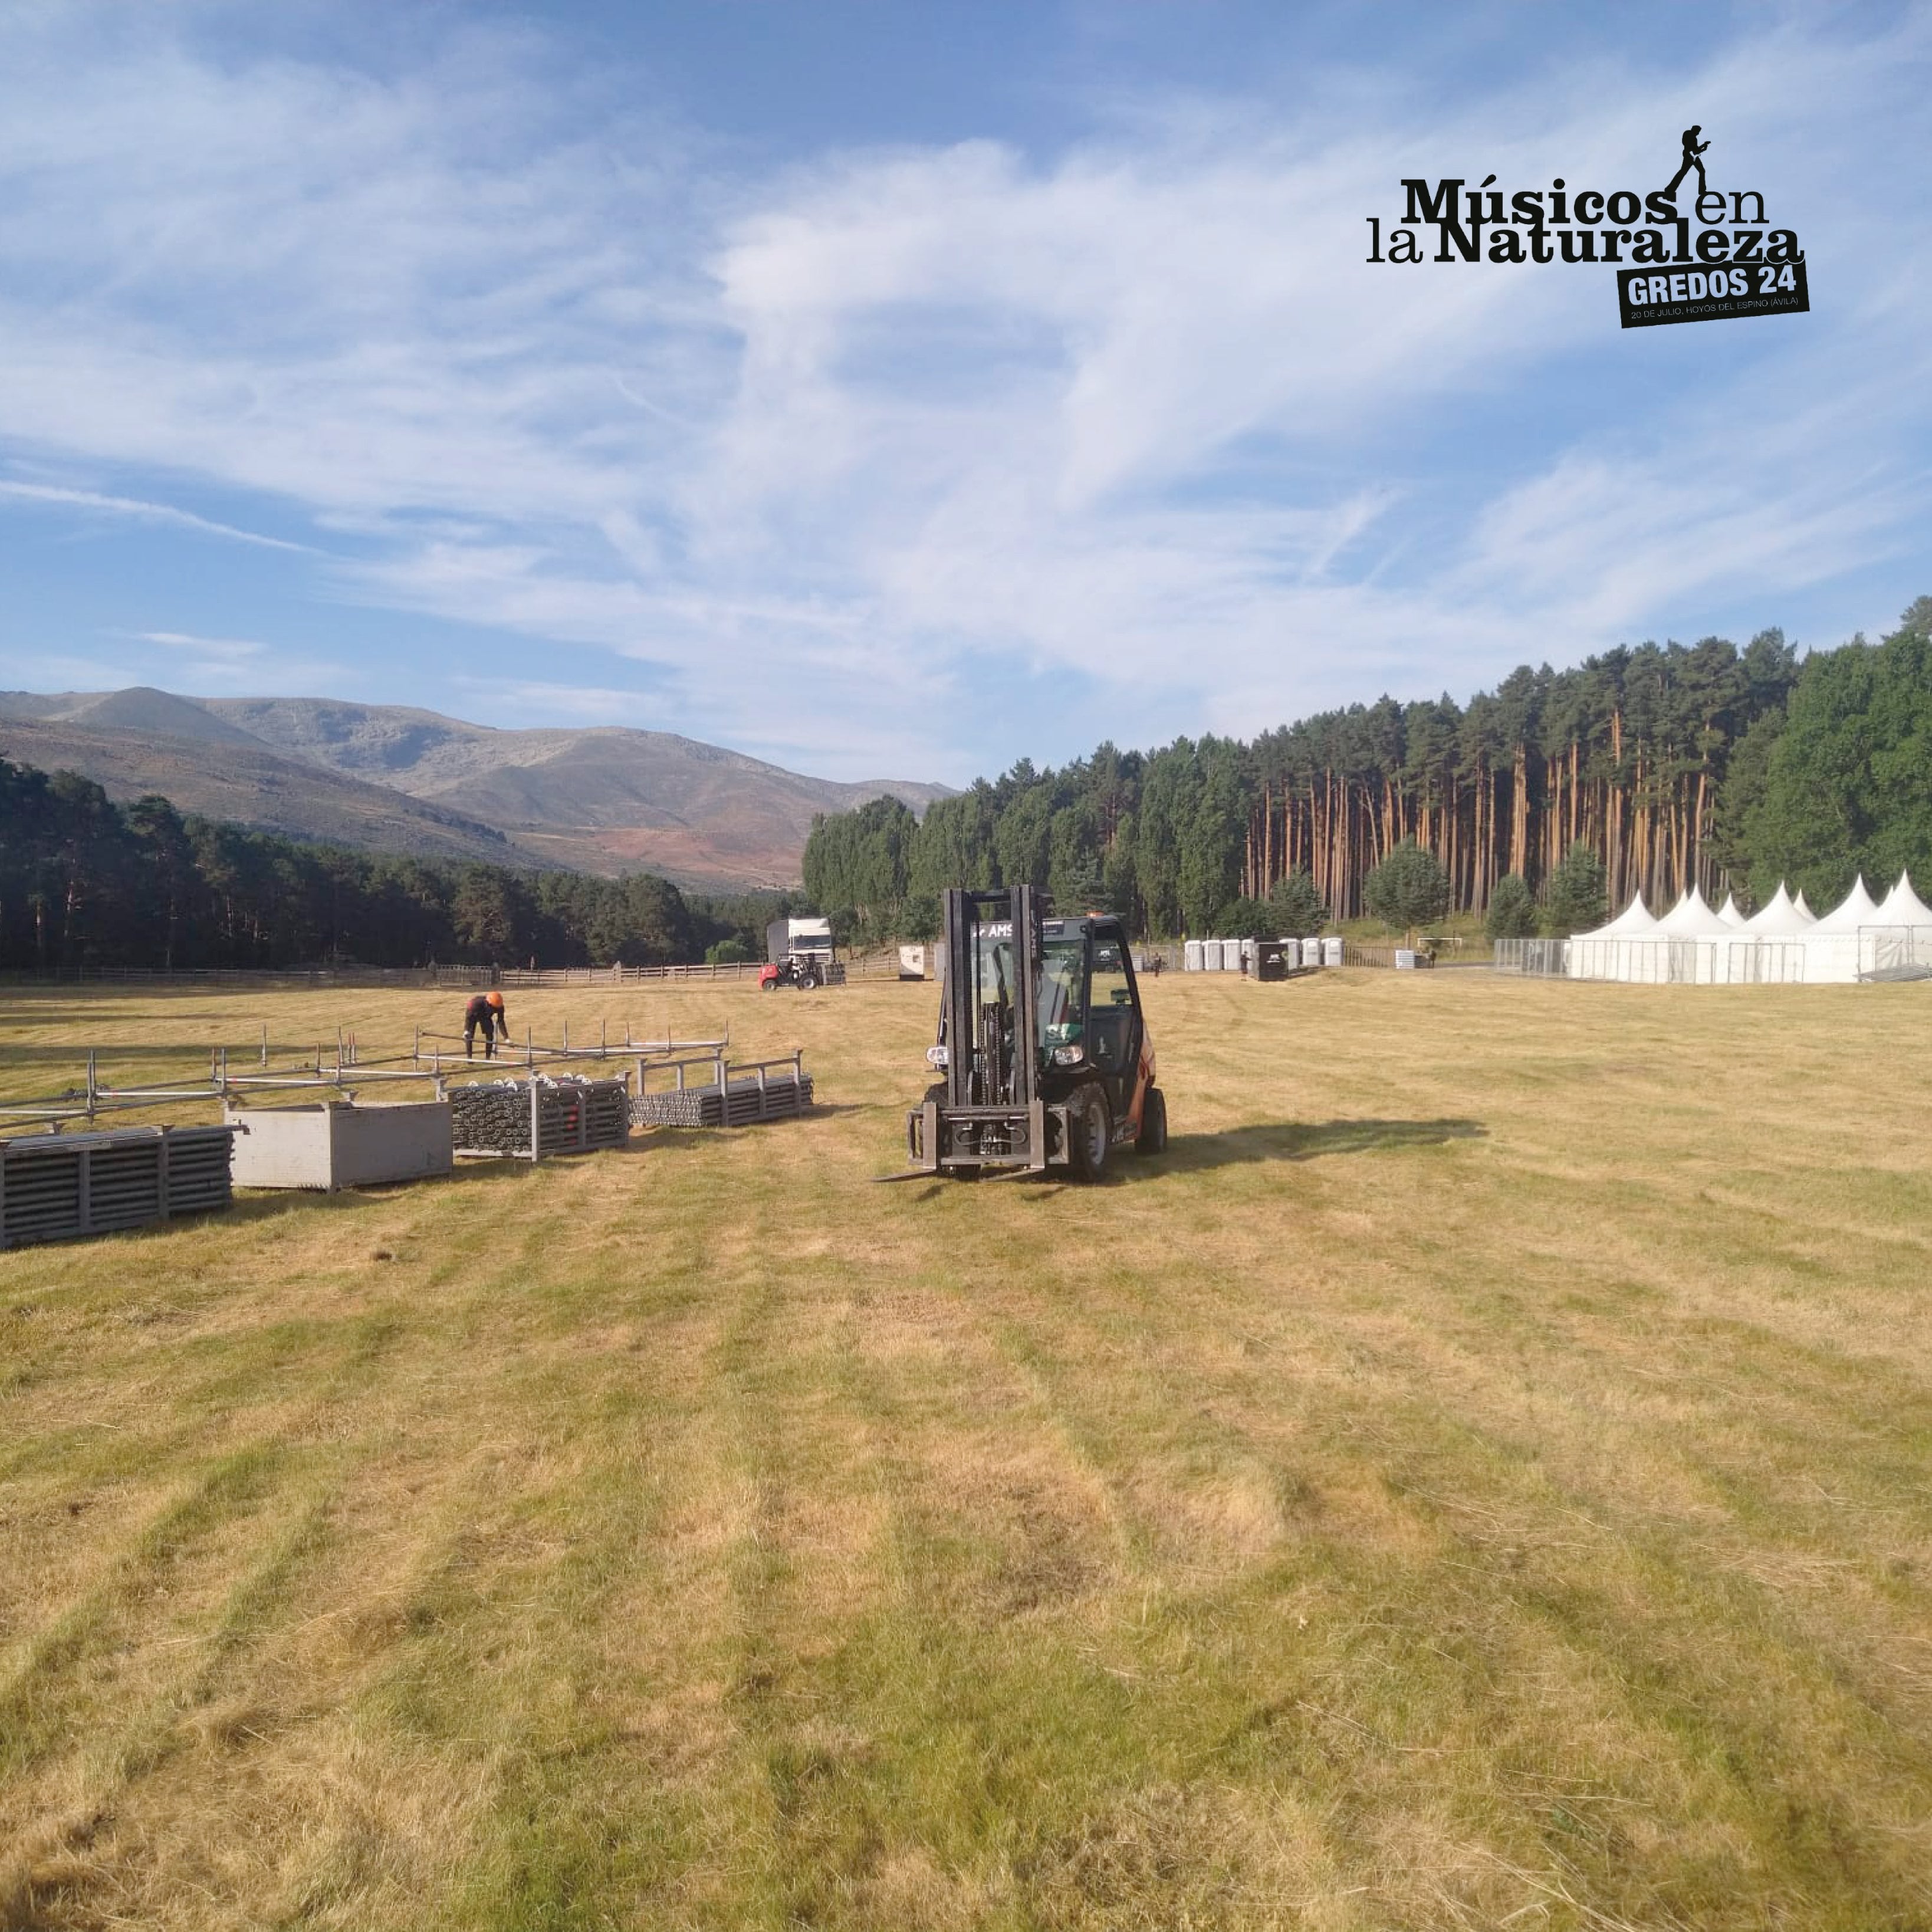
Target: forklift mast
{"x": 991, "y": 1015}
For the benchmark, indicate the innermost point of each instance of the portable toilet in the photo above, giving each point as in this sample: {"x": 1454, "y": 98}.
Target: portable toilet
{"x": 1404, "y": 959}
{"x": 1230, "y": 955}
{"x": 1331, "y": 951}
{"x": 1289, "y": 951}
{"x": 1190, "y": 958}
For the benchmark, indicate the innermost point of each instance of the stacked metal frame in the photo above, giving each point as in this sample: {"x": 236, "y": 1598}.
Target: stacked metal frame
{"x": 534, "y": 1119}
{"x": 60, "y": 1187}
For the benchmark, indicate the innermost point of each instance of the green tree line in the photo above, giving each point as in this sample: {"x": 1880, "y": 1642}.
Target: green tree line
{"x": 1668, "y": 765}
{"x": 84, "y": 882}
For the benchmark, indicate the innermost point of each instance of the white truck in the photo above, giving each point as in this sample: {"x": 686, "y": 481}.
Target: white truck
{"x": 799, "y": 952}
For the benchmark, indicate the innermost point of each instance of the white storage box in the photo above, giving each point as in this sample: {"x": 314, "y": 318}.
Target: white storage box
{"x": 340, "y": 1145}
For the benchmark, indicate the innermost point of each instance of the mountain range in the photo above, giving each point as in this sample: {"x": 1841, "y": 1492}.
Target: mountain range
{"x": 600, "y": 798}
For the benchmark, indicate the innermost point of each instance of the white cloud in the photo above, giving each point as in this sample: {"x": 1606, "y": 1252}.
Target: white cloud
{"x": 814, "y": 446}
{"x": 142, "y": 511}
{"x": 229, "y": 667}
{"x": 233, "y": 650}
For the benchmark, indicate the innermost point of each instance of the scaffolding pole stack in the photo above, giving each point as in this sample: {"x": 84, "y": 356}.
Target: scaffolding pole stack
{"x": 534, "y": 1118}
{"x": 737, "y": 1094}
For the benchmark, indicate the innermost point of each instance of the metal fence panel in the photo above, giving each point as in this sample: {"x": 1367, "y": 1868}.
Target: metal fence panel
{"x": 1894, "y": 952}
{"x": 1535, "y": 958}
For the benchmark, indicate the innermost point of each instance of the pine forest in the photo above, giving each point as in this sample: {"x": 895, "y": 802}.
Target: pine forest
{"x": 1673, "y": 764}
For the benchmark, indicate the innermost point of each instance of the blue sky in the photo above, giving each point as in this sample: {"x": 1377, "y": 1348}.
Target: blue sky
{"x": 897, "y": 390}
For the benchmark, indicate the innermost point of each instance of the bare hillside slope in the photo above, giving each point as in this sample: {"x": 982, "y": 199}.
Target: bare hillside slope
{"x": 601, "y": 799}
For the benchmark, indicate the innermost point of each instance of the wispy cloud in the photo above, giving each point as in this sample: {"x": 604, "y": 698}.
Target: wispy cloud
{"x": 234, "y": 650}
{"x": 229, "y": 667}
{"x": 929, "y": 455}
{"x": 142, "y": 511}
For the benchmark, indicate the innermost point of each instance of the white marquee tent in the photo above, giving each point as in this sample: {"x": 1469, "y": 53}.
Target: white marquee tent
{"x": 1858, "y": 939}
{"x": 1603, "y": 954}
{"x": 1902, "y": 906}
{"x": 1780, "y": 919}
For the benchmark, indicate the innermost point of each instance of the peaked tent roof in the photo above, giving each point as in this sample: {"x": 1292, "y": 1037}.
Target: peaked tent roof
{"x": 1692, "y": 918}
{"x": 1633, "y": 920}
{"x": 1728, "y": 913}
{"x": 1902, "y": 906}
{"x": 1780, "y": 919}
{"x": 1857, "y": 908}
{"x": 1799, "y": 903}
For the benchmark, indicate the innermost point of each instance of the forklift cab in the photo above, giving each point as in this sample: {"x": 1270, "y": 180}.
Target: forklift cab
{"x": 1042, "y": 1041}
{"x": 1088, "y": 981}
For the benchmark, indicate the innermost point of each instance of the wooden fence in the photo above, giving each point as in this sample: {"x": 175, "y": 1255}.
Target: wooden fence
{"x": 868, "y": 966}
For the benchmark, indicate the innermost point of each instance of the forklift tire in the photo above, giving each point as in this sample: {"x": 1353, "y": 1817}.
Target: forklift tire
{"x": 1090, "y": 1132}
{"x": 1152, "y": 1138}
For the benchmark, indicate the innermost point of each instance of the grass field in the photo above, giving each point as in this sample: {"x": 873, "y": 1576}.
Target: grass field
{"x": 1479, "y": 1477}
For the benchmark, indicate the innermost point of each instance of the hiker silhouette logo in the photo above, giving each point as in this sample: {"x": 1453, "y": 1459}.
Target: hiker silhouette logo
{"x": 1693, "y": 158}
{"x": 1719, "y": 259}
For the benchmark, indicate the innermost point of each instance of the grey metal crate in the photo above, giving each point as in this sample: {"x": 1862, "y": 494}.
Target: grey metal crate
{"x": 338, "y": 1145}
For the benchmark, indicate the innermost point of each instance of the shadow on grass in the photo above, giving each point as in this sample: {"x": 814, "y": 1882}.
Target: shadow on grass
{"x": 1300, "y": 1140}
{"x": 259, "y": 1204}
{"x": 1195, "y": 1153}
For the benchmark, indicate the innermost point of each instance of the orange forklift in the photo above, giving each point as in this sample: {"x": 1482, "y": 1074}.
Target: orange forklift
{"x": 1047, "y": 1060}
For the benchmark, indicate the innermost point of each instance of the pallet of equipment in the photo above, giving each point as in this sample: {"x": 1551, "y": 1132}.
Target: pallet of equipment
{"x": 742, "y": 1099}
{"x": 61, "y": 1187}
{"x": 505, "y": 1117}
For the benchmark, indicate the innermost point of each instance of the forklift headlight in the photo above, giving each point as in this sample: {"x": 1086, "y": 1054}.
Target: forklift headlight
{"x": 1069, "y": 1056}
{"x": 937, "y": 1056}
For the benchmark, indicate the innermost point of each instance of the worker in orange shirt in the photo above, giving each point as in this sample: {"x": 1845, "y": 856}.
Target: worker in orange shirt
{"x": 486, "y": 1012}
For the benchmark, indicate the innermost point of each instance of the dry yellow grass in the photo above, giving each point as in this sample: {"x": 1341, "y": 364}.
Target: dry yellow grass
{"x": 1479, "y": 1476}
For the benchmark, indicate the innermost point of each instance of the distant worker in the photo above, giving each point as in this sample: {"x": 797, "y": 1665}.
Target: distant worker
{"x": 485, "y": 1011}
